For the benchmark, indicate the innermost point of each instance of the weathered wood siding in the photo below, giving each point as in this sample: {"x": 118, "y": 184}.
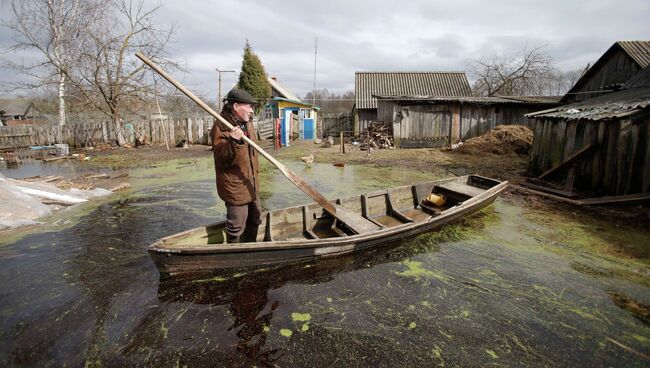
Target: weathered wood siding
{"x": 450, "y": 121}
{"x": 363, "y": 117}
{"x": 196, "y": 130}
{"x": 425, "y": 121}
{"x": 617, "y": 69}
{"x": 478, "y": 119}
{"x": 620, "y": 164}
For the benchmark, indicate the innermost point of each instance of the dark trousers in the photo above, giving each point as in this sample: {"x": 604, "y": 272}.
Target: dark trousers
{"x": 244, "y": 219}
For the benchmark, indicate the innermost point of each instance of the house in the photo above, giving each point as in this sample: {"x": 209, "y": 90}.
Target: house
{"x": 290, "y": 117}
{"x": 19, "y": 112}
{"x": 613, "y": 69}
{"x": 370, "y": 84}
{"x": 431, "y": 121}
{"x": 600, "y": 145}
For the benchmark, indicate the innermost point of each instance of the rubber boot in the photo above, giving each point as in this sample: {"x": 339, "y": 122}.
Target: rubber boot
{"x": 232, "y": 239}
{"x": 250, "y": 234}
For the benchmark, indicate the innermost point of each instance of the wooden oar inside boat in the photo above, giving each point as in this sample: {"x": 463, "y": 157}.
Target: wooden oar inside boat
{"x": 355, "y": 222}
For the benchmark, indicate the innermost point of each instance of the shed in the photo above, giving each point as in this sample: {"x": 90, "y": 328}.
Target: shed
{"x": 290, "y": 117}
{"x": 612, "y": 70}
{"x": 17, "y": 111}
{"x": 604, "y": 141}
{"x": 430, "y": 121}
{"x": 369, "y": 84}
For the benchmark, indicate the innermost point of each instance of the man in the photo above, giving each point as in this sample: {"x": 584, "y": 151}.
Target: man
{"x": 236, "y": 166}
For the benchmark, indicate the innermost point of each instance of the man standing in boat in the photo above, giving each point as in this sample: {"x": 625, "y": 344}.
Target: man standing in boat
{"x": 236, "y": 166}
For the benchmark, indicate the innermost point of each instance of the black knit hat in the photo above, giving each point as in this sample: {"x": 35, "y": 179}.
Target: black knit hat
{"x": 239, "y": 95}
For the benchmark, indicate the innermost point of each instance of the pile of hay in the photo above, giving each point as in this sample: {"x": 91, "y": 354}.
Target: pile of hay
{"x": 502, "y": 140}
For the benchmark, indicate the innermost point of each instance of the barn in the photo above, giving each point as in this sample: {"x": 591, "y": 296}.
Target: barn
{"x": 600, "y": 145}
{"x": 369, "y": 84}
{"x": 431, "y": 121}
{"x": 613, "y": 69}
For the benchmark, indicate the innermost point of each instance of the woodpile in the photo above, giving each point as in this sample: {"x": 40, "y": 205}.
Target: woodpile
{"x": 378, "y": 136}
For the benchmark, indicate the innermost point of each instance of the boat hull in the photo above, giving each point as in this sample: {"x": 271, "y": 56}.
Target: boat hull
{"x": 172, "y": 260}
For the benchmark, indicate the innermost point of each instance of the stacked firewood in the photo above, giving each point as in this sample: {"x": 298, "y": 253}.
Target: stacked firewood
{"x": 378, "y": 136}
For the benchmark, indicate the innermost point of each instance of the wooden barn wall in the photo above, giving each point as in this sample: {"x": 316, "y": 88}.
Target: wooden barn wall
{"x": 478, "y": 119}
{"x": 196, "y": 131}
{"x": 619, "y": 68}
{"x": 385, "y": 110}
{"x": 620, "y": 165}
{"x": 425, "y": 121}
{"x": 364, "y": 117}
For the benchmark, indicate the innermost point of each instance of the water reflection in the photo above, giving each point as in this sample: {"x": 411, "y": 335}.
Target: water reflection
{"x": 246, "y": 292}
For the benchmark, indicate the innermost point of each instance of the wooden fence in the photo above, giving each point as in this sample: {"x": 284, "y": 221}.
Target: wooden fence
{"x": 335, "y": 123}
{"x": 194, "y": 130}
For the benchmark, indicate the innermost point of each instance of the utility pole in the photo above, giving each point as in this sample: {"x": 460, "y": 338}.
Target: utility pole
{"x": 313, "y": 97}
{"x": 219, "y": 88}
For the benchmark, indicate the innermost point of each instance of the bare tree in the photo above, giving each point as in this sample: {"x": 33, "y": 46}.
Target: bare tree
{"x": 557, "y": 83}
{"x": 519, "y": 75}
{"x": 331, "y": 102}
{"x": 56, "y": 30}
{"x": 108, "y": 75}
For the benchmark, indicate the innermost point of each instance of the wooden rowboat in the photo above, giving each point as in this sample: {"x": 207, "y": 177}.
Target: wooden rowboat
{"x": 307, "y": 231}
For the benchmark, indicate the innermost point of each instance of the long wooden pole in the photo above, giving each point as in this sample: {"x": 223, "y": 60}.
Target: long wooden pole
{"x": 298, "y": 181}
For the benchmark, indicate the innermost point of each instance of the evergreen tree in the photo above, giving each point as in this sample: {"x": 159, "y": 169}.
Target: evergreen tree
{"x": 253, "y": 77}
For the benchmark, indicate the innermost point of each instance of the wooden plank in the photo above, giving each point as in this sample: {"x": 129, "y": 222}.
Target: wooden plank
{"x": 619, "y": 199}
{"x": 628, "y": 139}
{"x": 568, "y": 186}
{"x": 573, "y": 158}
{"x": 549, "y": 190}
{"x": 461, "y": 188}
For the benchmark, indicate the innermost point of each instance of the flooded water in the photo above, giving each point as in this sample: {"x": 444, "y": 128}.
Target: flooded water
{"x": 508, "y": 287}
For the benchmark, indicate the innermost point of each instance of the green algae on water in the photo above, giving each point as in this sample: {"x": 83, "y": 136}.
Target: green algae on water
{"x": 300, "y": 317}
{"x": 415, "y": 270}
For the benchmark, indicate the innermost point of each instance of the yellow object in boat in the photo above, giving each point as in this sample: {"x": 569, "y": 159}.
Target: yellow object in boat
{"x": 437, "y": 199}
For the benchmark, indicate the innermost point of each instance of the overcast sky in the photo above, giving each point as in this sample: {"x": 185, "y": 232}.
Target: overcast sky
{"x": 364, "y": 35}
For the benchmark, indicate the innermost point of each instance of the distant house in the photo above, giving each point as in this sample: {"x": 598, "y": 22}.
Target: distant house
{"x": 613, "y": 69}
{"x": 290, "y": 117}
{"x": 369, "y": 84}
{"x": 19, "y": 112}
{"x": 599, "y": 145}
{"x": 430, "y": 121}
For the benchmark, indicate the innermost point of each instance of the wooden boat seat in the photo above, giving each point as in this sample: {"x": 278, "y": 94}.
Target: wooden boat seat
{"x": 460, "y": 188}
{"x": 355, "y": 221}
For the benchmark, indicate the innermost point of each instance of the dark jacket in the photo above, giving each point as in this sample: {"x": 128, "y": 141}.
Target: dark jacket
{"x": 235, "y": 164}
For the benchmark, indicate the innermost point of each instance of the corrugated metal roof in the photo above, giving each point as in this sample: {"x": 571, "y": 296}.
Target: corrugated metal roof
{"x": 551, "y": 100}
{"x": 523, "y": 100}
{"x": 368, "y": 84}
{"x": 638, "y": 50}
{"x": 282, "y": 90}
{"x": 612, "y": 105}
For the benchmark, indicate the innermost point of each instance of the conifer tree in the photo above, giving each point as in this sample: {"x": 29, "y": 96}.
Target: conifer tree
{"x": 253, "y": 77}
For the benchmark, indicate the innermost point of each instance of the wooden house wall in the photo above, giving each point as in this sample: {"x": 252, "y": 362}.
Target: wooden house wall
{"x": 620, "y": 165}
{"x": 619, "y": 68}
